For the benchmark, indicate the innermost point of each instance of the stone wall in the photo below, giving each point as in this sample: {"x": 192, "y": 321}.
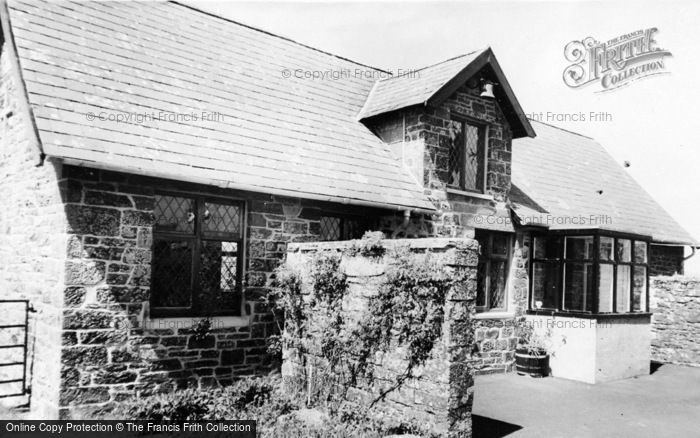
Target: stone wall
{"x": 675, "y": 303}
{"x": 112, "y": 348}
{"x": 424, "y": 131}
{"x": 32, "y": 242}
{"x": 666, "y": 260}
{"x": 495, "y": 334}
{"x": 443, "y": 394}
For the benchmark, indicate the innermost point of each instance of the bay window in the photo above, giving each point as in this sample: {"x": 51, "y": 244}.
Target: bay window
{"x": 589, "y": 273}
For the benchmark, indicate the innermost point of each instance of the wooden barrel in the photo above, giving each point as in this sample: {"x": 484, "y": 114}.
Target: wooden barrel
{"x": 534, "y": 365}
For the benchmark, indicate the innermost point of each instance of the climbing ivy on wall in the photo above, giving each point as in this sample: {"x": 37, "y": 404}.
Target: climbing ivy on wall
{"x": 407, "y": 312}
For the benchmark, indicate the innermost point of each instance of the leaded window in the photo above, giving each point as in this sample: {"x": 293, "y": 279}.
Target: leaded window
{"x": 197, "y": 256}
{"x": 341, "y": 228}
{"x": 467, "y": 156}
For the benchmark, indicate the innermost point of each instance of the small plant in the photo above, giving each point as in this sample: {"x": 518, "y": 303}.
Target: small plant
{"x": 177, "y": 406}
{"x": 534, "y": 343}
{"x": 370, "y": 245}
{"x": 201, "y": 329}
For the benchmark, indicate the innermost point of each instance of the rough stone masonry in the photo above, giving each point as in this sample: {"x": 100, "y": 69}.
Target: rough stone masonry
{"x": 675, "y": 325}
{"x": 443, "y": 393}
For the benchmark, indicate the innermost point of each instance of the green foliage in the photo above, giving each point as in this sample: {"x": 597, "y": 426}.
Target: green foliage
{"x": 408, "y": 311}
{"x": 370, "y": 245}
{"x": 263, "y": 400}
{"x": 530, "y": 340}
{"x": 329, "y": 282}
{"x": 260, "y": 397}
{"x": 287, "y": 303}
{"x": 177, "y": 406}
{"x": 201, "y": 329}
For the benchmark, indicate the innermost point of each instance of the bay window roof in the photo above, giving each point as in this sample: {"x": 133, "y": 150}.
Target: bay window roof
{"x": 566, "y": 181}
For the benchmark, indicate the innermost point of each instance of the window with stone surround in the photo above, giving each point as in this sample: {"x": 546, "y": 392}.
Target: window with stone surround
{"x": 197, "y": 256}
{"x": 467, "y": 156}
{"x": 589, "y": 273}
{"x": 492, "y": 277}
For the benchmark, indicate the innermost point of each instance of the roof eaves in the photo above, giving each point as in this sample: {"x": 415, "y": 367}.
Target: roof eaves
{"x": 8, "y": 40}
{"x": 419, "y": 205}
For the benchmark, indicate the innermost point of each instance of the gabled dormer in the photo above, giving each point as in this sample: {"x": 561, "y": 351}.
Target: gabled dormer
{"x": 452, "y": 125}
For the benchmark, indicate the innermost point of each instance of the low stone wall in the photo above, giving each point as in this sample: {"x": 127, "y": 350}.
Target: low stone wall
{"x": 443, "y": 393}
{"x": 675, "y": 302}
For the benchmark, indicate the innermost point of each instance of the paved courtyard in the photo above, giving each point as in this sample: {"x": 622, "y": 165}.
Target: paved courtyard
{"x": 663, "y": 404}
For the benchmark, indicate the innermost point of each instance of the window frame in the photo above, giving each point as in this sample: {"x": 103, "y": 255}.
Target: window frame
{"x": 597, "y": 262}
{"x": 343, "y": 218}
{"x": 197, "y": 237}
{"x": 557, "y": 261}
{"x": 483, "y": 128}
{"x": 508, "y": 258}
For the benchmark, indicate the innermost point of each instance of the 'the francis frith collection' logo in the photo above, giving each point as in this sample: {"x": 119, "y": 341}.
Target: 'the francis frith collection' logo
{"x": 614, "y": 63}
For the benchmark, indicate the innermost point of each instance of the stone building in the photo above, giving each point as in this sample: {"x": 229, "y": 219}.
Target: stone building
{"x": 157, "y": 159}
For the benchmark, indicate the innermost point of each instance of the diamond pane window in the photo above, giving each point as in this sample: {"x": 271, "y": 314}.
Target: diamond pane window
{"x": 222, "y": 218}
{"x": 197, "y": 266}
{"x": 334, "y": 228}
{"x": 172, "y": 273}
{"x": 497, "y": 284}
{"x": 474, "y": 167}
{"x": 174, "y": 213}
{"x": 456, "y": 154}
{"x": 466, "y": 156}
{"x": 218, "y": 271}
{"x": 330, "y": 228}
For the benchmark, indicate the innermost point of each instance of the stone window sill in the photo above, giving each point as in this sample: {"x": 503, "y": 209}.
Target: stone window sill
{"x": 494, "y": 315}
{"x": 628, "y": 315}
{"x": 469, "y": 194}
{"x": 189, "y": 322}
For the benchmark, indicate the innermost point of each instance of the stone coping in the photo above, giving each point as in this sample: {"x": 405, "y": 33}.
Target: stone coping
{"x": 679, "y": 279}
{"x": 423, "y": 243}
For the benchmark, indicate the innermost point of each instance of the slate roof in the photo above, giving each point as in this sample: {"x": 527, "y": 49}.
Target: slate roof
{"x": 281, "y": 135}
{"x": 432, "y": 85}
{"x": 413, "y": 88}
{"x": 287, "y": 136}
{"x": 559, "y": 175}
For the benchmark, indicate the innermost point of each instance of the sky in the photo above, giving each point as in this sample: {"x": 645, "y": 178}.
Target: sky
{"x": 652, "y": 123}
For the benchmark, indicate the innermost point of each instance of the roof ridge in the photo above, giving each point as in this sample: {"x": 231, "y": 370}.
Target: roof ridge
{"x": 212, "y": 14}
{"x": 432, "y": 65}
{"x": 561, "y": 129}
